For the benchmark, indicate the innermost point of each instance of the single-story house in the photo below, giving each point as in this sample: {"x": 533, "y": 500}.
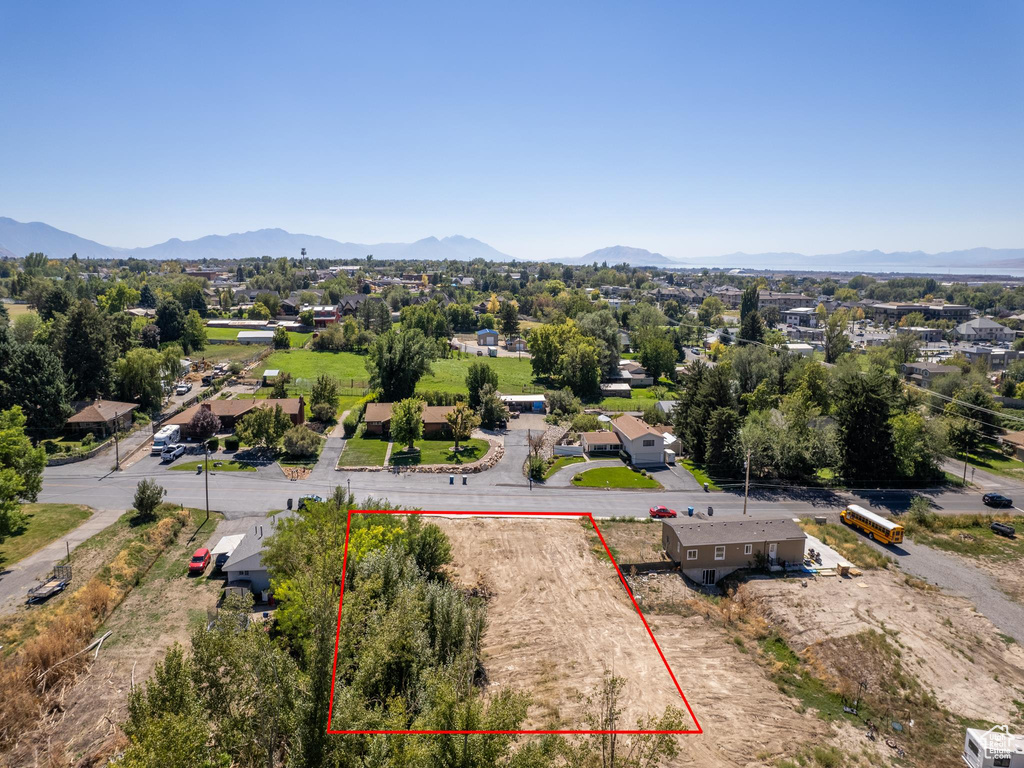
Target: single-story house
{"x": 616, "y": 389}
{"x": 643, "y": 444}
{"x": 925, "y": 373}
{"x": 708, "y": 551}
{"x": 487, "y": 337}
{"x": 246, "y": 563}
{"x": 377, "y": 418}
{"x": 230, "y": 412}
{"x": 927, "y": 335}
{"x": 667, "y": 406}
{"x": 525, "y": 403}
{"x": 255, "y": 337}
{"x": 600, "y": 442}
{"x": 435, "y": 421}
{"x": 101, "y": 417}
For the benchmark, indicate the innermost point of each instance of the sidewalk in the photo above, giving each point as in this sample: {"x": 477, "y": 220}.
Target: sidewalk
{"x": 16, "y": 581}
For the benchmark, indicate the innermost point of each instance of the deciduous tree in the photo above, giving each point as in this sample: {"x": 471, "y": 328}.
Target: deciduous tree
{"x": 396, "y": 361}
{"x": 407, "y": 422}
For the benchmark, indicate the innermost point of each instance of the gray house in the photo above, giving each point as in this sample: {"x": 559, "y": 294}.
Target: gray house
{"x": 708, "y": 551}
{"x": 245, "y": 563}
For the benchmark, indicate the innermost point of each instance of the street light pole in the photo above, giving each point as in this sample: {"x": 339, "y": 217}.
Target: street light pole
{"x": 117, "y": 447}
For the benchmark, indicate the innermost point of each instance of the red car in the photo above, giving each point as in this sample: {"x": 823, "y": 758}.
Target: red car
{"x": 662, "y": 511}
{"x": 199, "y": 561}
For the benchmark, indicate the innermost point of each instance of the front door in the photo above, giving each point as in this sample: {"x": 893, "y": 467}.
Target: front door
{"x": 709, "y": 576}
{"x": 773, "y": 549}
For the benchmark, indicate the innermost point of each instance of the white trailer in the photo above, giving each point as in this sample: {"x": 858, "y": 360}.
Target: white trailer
{"x": 994, "y": 748}
{"x": 224, "y": 548}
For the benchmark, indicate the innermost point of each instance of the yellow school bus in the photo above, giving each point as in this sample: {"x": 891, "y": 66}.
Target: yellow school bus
{"x": 875, "y": 526}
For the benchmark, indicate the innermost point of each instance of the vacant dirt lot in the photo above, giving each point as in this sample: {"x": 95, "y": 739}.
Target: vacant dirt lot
{"x": 951, "y": 649}
{"x": 559, "y": 615}
{"x": 558, "y": 618}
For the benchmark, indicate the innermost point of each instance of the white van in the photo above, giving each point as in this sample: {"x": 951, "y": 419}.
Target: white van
{"x": 168, "y": 435}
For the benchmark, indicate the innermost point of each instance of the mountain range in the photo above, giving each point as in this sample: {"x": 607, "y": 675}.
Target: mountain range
{"x": 18, "y": 239}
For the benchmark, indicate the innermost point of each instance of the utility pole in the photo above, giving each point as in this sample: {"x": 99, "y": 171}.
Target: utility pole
{"x": 348, "y": 482}
{"x": 117, "y": 448}
{"x": 746, "y": 484}
{"x": 206, "y": 479}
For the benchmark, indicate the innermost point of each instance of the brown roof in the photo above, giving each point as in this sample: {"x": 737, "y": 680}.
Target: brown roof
{"x": 101, "y": 411}
{"x": 662, "y": 429}
{"x": 378, "y": 412}
{"x": 602, "y": 438}
{"x": 435, "y": 414}
{"x": 1014, "y": 438}
{"x": 236, "y": 408}
{"x": 632, "y": 427}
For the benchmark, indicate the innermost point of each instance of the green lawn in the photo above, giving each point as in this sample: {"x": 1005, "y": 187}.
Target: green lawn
{"x": 13, "y": 310}
{"x": 450, "y": 375}
{"x": 559, "y": 463}
{"x": 226, "y": 465}
{"x": 699, "y": 474}
{"x": 305, "y": 364}
{"x": 363, "y": 452}
{"x": 993, "y": 460}
{"x": 620, "y": 404}
{"x": 43, "y": 524}
{"x": 439, "y": 452}
{"x": 614, "y": 477}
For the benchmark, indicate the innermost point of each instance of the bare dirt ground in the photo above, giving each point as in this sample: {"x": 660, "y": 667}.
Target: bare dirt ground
{"x": 160, "y": 611}
{"x": 559, "y": 615}
{"x": 951, "y": 649}
{"x": 557, "y": 619}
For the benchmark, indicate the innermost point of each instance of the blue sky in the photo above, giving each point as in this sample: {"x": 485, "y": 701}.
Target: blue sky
{"x": 545, "y": 129}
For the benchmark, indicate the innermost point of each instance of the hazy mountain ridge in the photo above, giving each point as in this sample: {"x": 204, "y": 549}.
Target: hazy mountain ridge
{"x": 622, "y": 254}
{"x": 22, "y": 238}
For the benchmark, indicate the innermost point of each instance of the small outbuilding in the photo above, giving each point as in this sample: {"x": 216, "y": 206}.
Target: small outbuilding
{"x": 487, "y": 337}
{"x": 255, "y": 337}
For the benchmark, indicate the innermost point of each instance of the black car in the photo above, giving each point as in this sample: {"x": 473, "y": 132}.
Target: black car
{"x": 997, "y": 500}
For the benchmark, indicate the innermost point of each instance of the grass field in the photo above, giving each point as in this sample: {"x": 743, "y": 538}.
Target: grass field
{"x": 450, "y": 375}
{"x": 439, "y": 452}
{"x": 992, "y": 460}
{"x": 846, "y": 542}
{"x": 225, "y": 466}
{"x": 43, "y": 524}
{"x": 699, "y": 474}
{"x": 307, "y": 364}
{"x": 614, "y": 477}
{"x": 227, "y": 353}
{"x": 363, "y": 452}
{"x": 13, "y": 310}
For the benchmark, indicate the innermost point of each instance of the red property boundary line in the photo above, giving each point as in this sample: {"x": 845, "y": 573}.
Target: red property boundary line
{"x": 587, "y": 515}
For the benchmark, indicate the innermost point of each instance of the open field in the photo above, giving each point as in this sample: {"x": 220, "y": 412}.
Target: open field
{"x": 993, "y": 460}
{"x": 614, "y": 477}
{"x": 227, "y": 353}
{"x": 43, "y": 524}
{"x": 307, "y": 364}
{"x": 13, "y": 310}
{"x": 450, "y": 375}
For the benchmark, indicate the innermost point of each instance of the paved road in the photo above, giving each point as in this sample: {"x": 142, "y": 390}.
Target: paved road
{"x": 16, "y": 581}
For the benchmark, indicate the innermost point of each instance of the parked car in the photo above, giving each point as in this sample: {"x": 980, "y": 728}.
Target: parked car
{"x": 996, "y": 500}
{"x": 171, "y": 452}
{"x": 662, "y": 511}
{"x": 183, "y": 388}
{"x": 200, "y": 560}
{"x": 695, "y": 350}
{"x": 304, "y": 499}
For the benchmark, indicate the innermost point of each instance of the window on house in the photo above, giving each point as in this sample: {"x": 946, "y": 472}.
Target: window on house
{"x": 748, "y": 549}
{"x": 648, "y": 443}
{"x": 244, "y": 573}
{"x": 691, "y": 554}
{"x": 719, "y": 553}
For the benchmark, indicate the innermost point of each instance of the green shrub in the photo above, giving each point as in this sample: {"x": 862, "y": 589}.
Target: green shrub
{"x": 231, "y": 443}
{"x": 88, "y": 439}
{"x": 213, "y": 444}
{"x": 301, "y": 441}
{"x": 535, "y": 467}
{"x": 351, "y": 422}
{"x": 50, "y": 447}
{"x": 323, "y": 412}
{"x": 585, "y": 422}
